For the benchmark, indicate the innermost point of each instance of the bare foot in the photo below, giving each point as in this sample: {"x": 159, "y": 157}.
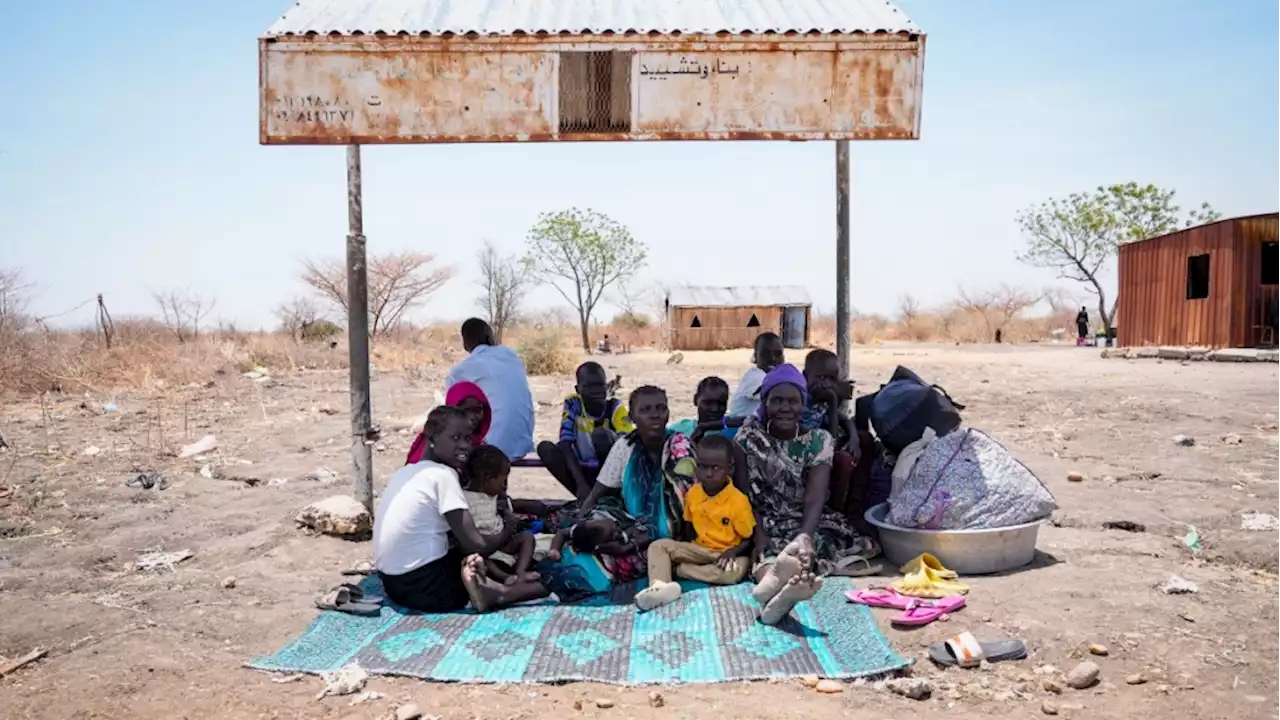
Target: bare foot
{"x": 785, "y": 567}
{"x": 473, "y": 577}
{"x": 658, "y": 594}
{"x": 798, "y": 589}
{"x": 528, "y": 576}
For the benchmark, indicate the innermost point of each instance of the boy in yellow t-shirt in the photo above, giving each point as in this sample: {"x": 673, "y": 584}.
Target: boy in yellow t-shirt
{"x": 722, "y": 522}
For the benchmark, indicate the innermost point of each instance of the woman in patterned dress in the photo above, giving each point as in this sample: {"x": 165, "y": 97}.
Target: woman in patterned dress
{"x": 784, "y": 468}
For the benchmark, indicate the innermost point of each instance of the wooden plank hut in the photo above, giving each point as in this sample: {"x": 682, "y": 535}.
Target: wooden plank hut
{"x": 719, "y": 318}
{"x": 1208, "y": 286}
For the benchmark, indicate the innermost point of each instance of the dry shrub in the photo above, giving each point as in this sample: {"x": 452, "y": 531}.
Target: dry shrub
{"x": 546, "y": 352}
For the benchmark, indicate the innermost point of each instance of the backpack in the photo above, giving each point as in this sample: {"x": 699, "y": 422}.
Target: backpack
{"x": 903, "y": 407}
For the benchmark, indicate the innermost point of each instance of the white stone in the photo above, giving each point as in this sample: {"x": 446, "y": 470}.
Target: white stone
{"x": 208, "y": 443}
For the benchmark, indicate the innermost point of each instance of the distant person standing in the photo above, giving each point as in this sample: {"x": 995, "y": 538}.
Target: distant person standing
{"x": 1082, "y": 326}
{"x": 501, "y": 375}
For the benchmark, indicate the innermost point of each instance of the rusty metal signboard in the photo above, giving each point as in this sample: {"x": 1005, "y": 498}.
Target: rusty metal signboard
{"x": 317, "y": 90}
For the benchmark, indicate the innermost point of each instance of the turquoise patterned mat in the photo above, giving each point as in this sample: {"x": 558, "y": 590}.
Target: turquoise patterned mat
{"x": 709, "y": 635}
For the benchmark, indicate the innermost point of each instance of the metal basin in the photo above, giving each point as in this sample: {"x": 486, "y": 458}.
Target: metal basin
{"x": 968, "y": 552}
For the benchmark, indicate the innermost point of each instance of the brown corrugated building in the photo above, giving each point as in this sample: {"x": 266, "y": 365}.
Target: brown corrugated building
{"x": 719, "y": 318}
{"x": 1208, "y": 286}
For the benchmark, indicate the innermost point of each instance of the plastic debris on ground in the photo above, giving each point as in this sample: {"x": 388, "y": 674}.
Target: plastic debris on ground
{"x": 343, "y": 681}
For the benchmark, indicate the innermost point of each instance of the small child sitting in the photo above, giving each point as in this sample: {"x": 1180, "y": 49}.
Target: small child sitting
{"x": 722, "y": 521}
{"x": 487, "y": 471}
{"x": 607, "y": 531}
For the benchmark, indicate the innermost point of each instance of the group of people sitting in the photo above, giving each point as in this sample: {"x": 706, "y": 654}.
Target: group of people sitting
{"x": 760, "y": 484}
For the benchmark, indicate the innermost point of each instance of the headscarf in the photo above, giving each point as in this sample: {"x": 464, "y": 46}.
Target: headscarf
{"x": 656, "y": 492}
{"x": 457, "y": 393}
{"x": 460, "y": 391}
{"x": 785, "y": 374}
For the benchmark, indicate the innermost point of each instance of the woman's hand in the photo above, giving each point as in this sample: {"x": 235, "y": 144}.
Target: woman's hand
{"x": 554, "y": 555}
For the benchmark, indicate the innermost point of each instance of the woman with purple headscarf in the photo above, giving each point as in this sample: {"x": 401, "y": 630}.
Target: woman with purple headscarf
{"x": 785, "y": 469}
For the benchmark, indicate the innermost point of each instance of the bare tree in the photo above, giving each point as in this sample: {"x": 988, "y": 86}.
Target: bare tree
{"x": 183, "y": 311}
{"x": 997, "y": 306}
{"x": 296, "y": 314}
{"x": 909, "y": 315}
{"x": 505, "y": 280}
{"x": 15, "y": 295}
{"x": 581, "y": 253}
{"x": 398, "y": 283}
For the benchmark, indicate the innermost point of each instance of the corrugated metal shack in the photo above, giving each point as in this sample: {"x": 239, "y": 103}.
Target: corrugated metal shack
{"x": 718, "y": 318}
{"x": 1208, "y": 286}
{"x": 421, "y": 71}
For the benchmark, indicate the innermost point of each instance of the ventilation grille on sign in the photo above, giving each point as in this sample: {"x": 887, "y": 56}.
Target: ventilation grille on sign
{"x": 595, "y": 92}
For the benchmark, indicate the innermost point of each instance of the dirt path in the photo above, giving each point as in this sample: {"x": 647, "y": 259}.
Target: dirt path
{"x": 125, "y": 643}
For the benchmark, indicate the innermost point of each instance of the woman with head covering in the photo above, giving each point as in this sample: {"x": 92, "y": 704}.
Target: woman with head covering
{"x": 468, "y": 397}
{"x": 652, "y": 467}
{"x": 785, "y": 469}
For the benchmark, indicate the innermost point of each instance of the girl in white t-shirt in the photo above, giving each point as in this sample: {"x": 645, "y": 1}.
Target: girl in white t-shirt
{"x": 425, "y": 544}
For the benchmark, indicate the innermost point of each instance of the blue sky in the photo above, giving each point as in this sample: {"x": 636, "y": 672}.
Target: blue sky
{"x": 129, "y": 159}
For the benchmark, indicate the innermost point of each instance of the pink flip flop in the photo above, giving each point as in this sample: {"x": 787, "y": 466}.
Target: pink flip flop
{"x": 923, "y": 612}
{"x": 881, "y": 597}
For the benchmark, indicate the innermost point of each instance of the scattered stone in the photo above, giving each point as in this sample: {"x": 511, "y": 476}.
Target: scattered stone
{"x": 1178, "y": 585}
{"x": 1163, "y": 689}
{"x": 1048, "y": 708}
{"x": 283, "y": 679}
{"x": 829, "y": 687}
{"x": 944, "y": 617}
{"x": 1255, "y": 698}
{"x": 1075, "y": 476}
{"x": 810, "y": 681}
{"x": 1096, "y": 649}
{"x": 322, "y": 475}
{"x": 1232, "y": 439}
{"x": 255, "y": 374}
{"x": 92, "y": 451}
{"x": 656, "y": 700}
{"x": 1046, "y": 670}
{"x": 675, "y": 359}
{"x": 1125, "y": 525}
{"x": 408, "y": 711}
{"x": 208, "y": 443}
{"x": 366, "y": 696}
{"x": 148, "y": 480}
{"x": 154, "y": 561}
{"x": 326, "y": 410}
{"x": 1136, "y": 679}
{"x": 1051, "y": 685}
{"x": 228, "y": 582}
{"x": 1259, "y": 521}
{"x": 206, "y": 471}
{"x": 340, "y": 515}
{"x": 1184, "y": 440}
{"x": 344, "y": 681}
{"x": 604, "y": 703}
{"x": 577, "y": 704}
{"x": 910, "y": 687}
{"x": 277, "y": 482}
{"x": 1084, "y": 675}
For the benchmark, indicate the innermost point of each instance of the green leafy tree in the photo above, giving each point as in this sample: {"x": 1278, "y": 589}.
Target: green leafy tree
{"x": 1079, "y": 235}
{"x": 581, "y": 253}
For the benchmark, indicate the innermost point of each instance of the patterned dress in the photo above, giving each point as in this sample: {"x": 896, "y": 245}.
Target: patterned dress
{"x": 776, "y": 472}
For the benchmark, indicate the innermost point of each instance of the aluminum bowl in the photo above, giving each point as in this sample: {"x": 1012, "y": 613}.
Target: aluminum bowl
{"x": 968, "y": 552}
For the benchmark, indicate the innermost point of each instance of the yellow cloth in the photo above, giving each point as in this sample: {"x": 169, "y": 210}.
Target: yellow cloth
{"x": 720, "y": 521}
{"x": 931, "y": 561}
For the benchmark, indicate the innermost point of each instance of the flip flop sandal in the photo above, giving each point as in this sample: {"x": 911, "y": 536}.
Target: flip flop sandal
{"x": 926, "y": 583}
{"x": 857, "y": 567}
{"x": 339, "y": 599}
{"x": 881, "y": 598}
{"x": 358, "y": 594}
{"x": 923, "y": 612}
{"x": 966, "y": 651}
{"x": 930, "y": 561}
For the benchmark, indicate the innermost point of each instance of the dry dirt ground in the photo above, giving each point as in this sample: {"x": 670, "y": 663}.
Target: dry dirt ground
{"x": 126, "y": 643}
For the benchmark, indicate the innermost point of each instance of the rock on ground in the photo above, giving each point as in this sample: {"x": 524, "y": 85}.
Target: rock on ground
{"x": 337, "y": 515}
{"x": 909, "y": 687}
{"x": 208, "y": 443}
{"x": 1083, "y": 676}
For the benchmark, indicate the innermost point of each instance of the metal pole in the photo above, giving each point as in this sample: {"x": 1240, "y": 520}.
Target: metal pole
{"x": 362, "y": 434}
{"x": 844, "y": 313}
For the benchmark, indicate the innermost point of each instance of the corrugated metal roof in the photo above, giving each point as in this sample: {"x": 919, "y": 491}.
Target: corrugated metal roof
{"x": 509, "y": 17}
{"x": 757, "y": 296}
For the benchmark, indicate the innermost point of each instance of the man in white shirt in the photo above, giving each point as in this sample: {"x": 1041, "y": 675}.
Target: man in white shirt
{"x": 501, "y": 375}
{"x": 422, "y": 507}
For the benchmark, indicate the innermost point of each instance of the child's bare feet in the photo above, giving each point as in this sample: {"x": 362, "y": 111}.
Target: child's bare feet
{"x": 798, "y": 589}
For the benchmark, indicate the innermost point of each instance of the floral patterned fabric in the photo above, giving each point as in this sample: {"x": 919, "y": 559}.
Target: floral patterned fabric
{"x": 776, "y": 474}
